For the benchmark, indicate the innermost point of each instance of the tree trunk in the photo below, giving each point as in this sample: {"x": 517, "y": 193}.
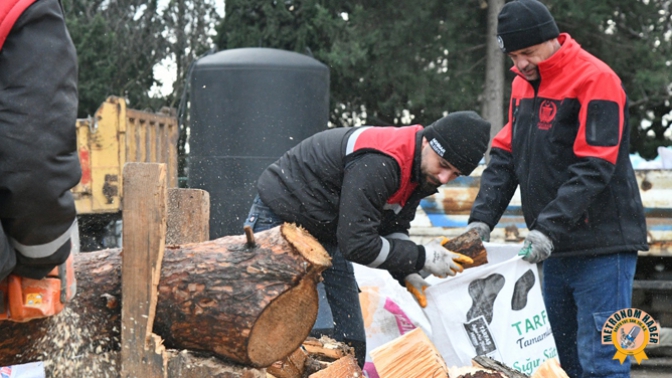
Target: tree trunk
{"x": 251, "y": 303}
{"x": 493, "y": 93}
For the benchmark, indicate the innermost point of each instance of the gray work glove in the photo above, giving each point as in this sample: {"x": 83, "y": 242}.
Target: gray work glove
{"x": 482, "y": 228}
{"x": 536, "y": 247}
{"x": 442, "y": 262}
{"x": 416, "y": 285}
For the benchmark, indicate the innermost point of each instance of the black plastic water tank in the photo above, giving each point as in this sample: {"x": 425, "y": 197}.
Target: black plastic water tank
{"x": 248, "y": 107}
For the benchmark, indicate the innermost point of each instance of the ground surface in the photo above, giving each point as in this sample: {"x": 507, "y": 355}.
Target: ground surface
{"x": 654, "y": 367}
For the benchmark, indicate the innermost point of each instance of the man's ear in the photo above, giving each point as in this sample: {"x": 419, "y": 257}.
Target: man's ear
{"x": 424, "y": 142}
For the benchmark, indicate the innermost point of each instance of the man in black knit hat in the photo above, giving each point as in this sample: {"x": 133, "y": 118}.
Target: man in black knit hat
{"x": 357, "y": 190}
{"x": 566, "y": 146}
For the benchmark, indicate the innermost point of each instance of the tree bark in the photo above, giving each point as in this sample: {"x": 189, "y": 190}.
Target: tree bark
{"x": 493, "y": 93}
{"x": 252, "y": 304}
{"x": 469, "y": 244}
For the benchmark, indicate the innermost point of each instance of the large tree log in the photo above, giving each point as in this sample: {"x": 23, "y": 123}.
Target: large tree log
{"x": 253, "y": 304}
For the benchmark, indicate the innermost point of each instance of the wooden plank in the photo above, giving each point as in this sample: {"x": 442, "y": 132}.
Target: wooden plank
{"x": 345, "y": 367}
{"x": 186, "y": 364}
{"x": 144, "y": 235}
{"x": 188, "y": 216}
{"x": 411, "y": 355}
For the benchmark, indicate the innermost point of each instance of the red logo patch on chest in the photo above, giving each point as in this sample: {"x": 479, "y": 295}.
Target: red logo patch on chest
{"x": 547, "y": 112}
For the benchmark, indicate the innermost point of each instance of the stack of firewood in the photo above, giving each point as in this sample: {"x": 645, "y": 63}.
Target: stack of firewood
{"x": 414, "y": 355}
{"x": 318, "y": 358}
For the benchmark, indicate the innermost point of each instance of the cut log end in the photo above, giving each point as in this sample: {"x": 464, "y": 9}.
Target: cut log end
{"x": 284, "y": 324}
{"x": 309, "y": 248}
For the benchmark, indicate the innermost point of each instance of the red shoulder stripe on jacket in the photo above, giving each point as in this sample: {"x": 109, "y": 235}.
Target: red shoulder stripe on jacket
{"x": 10, "y": 11}
{"x": 605, "y": 127}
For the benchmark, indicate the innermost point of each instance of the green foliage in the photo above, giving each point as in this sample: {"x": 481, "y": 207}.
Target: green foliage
{"x": 391, "y": 62}
{"x": 118, "y": 44}
{"x": 632, "y": 36}
{"x": 385, "y": 57}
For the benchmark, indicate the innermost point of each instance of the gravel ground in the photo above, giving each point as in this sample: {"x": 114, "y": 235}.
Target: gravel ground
{"x": 654, "y": 367}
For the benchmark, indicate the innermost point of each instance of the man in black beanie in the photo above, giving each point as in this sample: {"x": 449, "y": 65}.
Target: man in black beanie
{"x": 566, "y": 146}
{"x": 357, "y": 190}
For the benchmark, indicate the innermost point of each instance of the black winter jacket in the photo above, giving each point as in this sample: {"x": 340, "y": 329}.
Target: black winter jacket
{"x": 38, "y": 150}
{"x": 342, "y": 198}
{"x": 566, "y": 145}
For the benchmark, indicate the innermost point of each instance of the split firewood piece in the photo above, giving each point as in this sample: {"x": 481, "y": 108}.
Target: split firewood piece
{"x": 344, "y": 367}
{"x": 291, "y": 366}
{"x": 326, "y": 349}
{"x": 469, "y": 244}
{"x": 495, "y": 365}
{"x": 473, "y": 372}
{"x": 253, "y": 306}
{"x": 411, "y": 355}
{"x": 550, "y": 369}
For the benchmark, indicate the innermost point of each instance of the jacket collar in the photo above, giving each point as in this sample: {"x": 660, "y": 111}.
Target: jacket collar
{"x": 550, "y": 67}
{"x": 417, "y": 157}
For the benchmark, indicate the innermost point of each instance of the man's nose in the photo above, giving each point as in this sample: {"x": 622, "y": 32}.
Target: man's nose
{"x": 521, "y": 64}
{"x": 445, "y": 175}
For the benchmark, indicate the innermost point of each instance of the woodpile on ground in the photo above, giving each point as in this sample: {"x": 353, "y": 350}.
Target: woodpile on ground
{"x": 318, "y": 358}
{"x": 414, "y": 355}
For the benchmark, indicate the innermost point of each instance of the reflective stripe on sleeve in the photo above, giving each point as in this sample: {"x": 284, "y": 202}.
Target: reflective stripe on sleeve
{"x": 352, "y": 139}
{"x": 398, "y": 235}
{"x": 43, "y": 250}
{"x": 382, "y": 255}
{"x": 393, "y": 206}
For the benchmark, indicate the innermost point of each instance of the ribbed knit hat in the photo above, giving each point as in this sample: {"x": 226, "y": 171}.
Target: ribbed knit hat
{"x": 461, "y": 138}
{"x": 524, "y": 23}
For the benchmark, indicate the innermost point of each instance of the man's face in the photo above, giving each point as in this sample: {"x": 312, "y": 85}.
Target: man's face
{"x": 527, "y": 59}
{"x": 435, "y": 170}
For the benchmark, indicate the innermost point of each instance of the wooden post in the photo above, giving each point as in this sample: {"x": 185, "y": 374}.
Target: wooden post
{"x": 188, "y": 216}
{"x": 144, "y": 235}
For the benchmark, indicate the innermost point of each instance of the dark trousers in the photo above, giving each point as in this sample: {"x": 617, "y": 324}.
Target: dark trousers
{"x": 340, "y": 287}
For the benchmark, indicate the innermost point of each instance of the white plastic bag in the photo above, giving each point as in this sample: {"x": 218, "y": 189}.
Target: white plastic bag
{"x": 29, "y": 370}
{"x": 495, "y": 310}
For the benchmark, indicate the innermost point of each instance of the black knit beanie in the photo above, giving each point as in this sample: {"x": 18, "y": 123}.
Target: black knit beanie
{"x": 524, "y": 23}
{"x": 461, "y": 138}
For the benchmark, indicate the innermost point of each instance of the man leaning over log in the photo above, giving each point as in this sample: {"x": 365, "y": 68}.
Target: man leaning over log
{"x": 356, "y": 190}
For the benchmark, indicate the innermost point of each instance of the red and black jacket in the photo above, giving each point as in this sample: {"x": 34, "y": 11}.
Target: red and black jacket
{"x": 566, "y": 145}
{"x": 10, "y": 10}
{"x": 353, "y": 187}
